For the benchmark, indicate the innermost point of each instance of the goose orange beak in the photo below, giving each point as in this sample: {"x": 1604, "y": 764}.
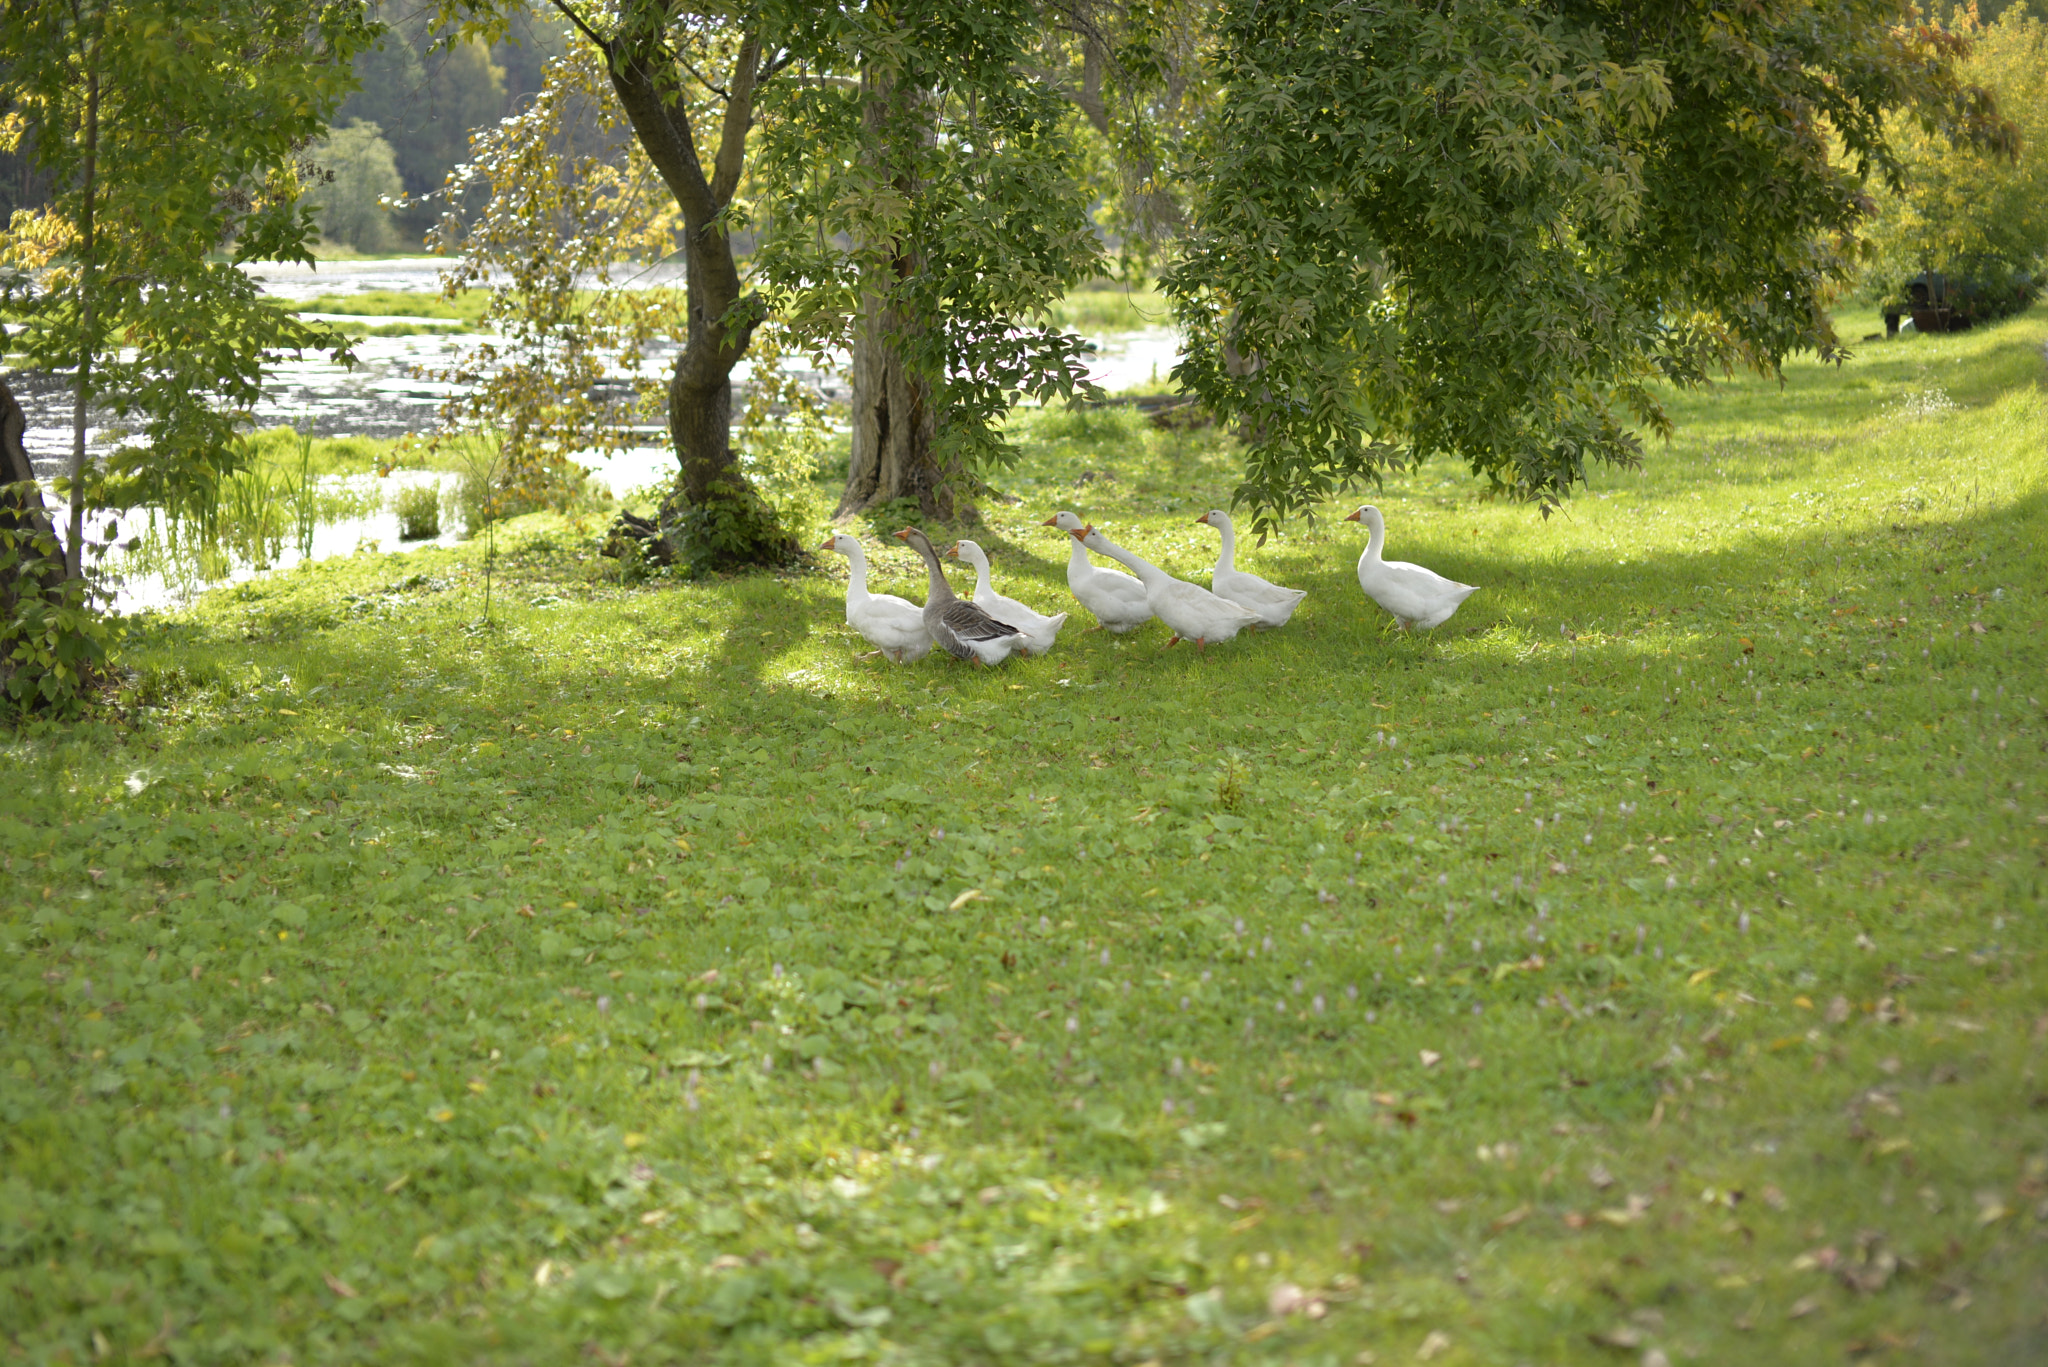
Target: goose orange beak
{"x": 1352, "y": 516}
{"x": 826, "y": 544}
{"x": 953, "y": 551}
{"x": 1052, "y": 521}
{"x": 1203, "y": 518}
{"x": 903, "y": 535}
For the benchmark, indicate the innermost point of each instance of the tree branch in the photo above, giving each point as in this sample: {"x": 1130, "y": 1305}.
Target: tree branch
{"x": 772, "y": 66}
{"x": 701, "y": 79}
{"x": 663, "y": 128}
{"x": 840, "y": 82}
{"x": 584, "y": 28}
{"x": 739, "y": 118}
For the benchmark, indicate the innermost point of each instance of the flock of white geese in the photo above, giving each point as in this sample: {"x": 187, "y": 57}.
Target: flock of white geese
{"x": 990, "y": 628}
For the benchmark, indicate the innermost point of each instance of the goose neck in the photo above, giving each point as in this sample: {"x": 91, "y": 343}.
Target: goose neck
{"x": 979, "y": 560}
{"x": 857, "y": 572}
{"x": 1144, "y": 569}
{"x": 1226, "y": 560}
{"x": 940, "y": 590}
{"x": 1376, "y": 537}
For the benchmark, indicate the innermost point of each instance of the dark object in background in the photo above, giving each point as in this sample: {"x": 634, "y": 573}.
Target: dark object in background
{"x": 1928, "y": 294}
{"x": 642, "y": 533}
{"x": 1938, "y": 302}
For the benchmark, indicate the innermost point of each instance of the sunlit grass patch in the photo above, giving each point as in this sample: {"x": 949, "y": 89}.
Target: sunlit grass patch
{"x": 467, "y": 306}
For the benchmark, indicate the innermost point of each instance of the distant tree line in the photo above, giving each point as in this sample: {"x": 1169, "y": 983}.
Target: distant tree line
{"x": 422, "y": 97}
{"x": 402, "y": 131}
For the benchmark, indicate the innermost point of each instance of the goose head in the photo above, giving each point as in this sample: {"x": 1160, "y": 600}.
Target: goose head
{"x": 1366, "y": 516}
{"x": 1092, "y": 539}
{"x": 970, "y": 551}
{"x": 917, "y": 541}
{"x": 1216, "y": 518}
{"x": 842, "y": 543}
{"x": 1065, "y": 521}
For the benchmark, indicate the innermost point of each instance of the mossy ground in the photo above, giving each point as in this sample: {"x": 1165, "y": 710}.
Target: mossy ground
{"x": 1650, "y": 964}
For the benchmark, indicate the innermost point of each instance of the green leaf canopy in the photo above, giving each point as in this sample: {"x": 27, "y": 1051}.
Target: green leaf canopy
{"x": 1487, "y": 229}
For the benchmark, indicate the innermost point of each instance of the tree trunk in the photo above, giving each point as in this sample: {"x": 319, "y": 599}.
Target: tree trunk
{"x": 895, "y": 423}
{"x": 895, "y": 431}
{"x": 74, "y": 551}
{"x": 30, "y": 559}
{"x": 715, "y": 517}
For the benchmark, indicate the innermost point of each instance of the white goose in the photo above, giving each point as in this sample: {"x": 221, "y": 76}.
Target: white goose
{"x": 1272, "y": 604}
{"x": 1417, "y": 597}
{"x": 1039, "y": 630}
{"x": 1191, "y": 610}
{"x": 896, "y": 625}
{"x": 1116, "y": 599}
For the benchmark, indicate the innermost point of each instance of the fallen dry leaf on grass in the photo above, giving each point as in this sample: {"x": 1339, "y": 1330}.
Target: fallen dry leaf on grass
{"x": 1512, "y": 1218}
{"x": 1433, "y": 1345}
{"x": 1636, "y": 1208}
{"x": 1285, "y": 1299}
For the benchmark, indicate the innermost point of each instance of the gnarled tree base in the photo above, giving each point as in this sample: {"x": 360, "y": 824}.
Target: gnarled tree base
{"x": 895, "y": 438}
{"x": 729, "y": 530}
{"x": 52, "y": 644}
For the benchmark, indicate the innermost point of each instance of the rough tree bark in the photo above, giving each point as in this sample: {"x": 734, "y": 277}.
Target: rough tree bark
{"x": 895, "y": 423}
{"x": 30, "y": 557}
{"x": 720, "y": 509}
{"x": 895, "y": 430}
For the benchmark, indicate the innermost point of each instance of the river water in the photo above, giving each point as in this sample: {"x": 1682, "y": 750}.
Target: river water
{"x": 386, "y": 394}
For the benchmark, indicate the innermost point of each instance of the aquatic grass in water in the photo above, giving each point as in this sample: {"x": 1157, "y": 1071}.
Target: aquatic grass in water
{"x": 419, "y": 512}
{"x": 249, "y": 517}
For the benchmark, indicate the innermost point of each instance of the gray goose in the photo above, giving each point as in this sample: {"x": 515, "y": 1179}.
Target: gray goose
{"x": 959, "y": 628}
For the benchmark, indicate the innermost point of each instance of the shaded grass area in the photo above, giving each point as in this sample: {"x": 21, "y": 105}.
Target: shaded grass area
{"x": 1648, "y": 963}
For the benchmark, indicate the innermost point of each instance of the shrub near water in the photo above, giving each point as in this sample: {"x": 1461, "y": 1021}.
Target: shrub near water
{"x": 1648, "y": 966}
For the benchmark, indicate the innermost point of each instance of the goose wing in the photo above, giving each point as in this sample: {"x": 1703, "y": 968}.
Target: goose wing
{"x": 1413, "y": 592}
{"x": 1110, "y": 588}
{"x": 969, "y": 623}
{"x": 1250, "y": 591}
{"x": 1010, "y": 610}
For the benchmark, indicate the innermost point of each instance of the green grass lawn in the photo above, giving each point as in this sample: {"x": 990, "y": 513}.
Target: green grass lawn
{"x": 1647, "y": 969}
